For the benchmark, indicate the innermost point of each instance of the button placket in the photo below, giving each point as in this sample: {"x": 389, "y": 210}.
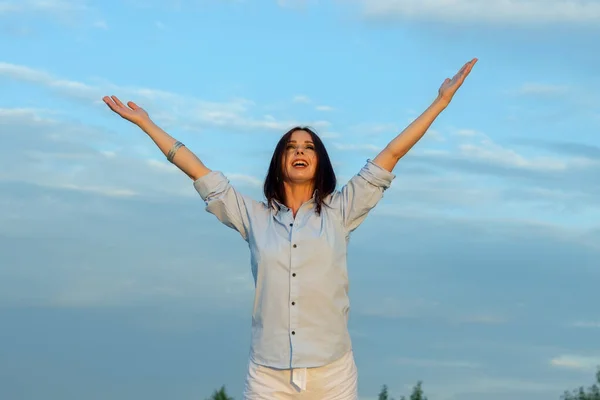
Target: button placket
{"x": 293, "y": 286}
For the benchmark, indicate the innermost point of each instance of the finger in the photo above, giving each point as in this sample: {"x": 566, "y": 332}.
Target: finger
{"x": 117, "y": 101}
{"x": 110, "y": 103}
{"x": 467, "y": 68}
{"x": 132, "y": 105}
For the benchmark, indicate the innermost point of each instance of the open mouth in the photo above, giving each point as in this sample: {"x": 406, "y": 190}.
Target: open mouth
{"x": 300, "y": 164}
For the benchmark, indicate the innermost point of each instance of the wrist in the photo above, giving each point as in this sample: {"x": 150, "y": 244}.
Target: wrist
{"x": 145, "y": 124}
{"x": 440, "y": 103}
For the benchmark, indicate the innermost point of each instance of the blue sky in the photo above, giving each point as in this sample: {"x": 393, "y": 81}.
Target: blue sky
{"x": 477, "y": 273}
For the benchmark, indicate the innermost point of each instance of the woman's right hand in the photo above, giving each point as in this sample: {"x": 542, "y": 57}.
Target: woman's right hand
{"x": 131, "y": 112}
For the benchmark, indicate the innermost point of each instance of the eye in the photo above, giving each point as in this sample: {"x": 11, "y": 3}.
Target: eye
{"x": 310, "y": 147}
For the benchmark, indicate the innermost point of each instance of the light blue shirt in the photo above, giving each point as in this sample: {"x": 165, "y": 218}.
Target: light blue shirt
{"x": 301, "y": 304}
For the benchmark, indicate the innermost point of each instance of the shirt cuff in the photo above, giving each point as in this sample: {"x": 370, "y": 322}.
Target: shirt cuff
{"x": 209, "y": 183}
{"x": 376, "y": 175}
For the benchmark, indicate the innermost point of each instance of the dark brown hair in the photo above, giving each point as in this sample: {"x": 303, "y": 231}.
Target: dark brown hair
{"x": 324, "y": 182}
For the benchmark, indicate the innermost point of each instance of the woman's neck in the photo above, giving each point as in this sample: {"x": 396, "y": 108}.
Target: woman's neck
{"x": 297, "y": 194}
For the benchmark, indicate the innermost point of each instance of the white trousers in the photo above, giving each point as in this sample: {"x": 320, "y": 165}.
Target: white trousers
{"x": 335, "y": 381}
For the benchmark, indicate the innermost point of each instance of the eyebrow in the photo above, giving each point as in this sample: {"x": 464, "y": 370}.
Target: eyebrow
{"x": 306, "y": 141}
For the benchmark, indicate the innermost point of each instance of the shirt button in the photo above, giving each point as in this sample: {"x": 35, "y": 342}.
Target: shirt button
{"x": 294, "y": 274}
{"x": 293, "y": 332}
{"x": 291, "y": 224}
{"x": 293, "y": 303}
{"x": 295, "y": 246}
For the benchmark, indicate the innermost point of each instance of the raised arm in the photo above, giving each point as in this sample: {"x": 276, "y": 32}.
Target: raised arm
{"x": 183, "y": 159}
{"x": 402, "y": 143}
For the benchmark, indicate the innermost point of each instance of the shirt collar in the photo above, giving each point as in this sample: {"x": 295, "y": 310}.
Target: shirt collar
{"x": 283, "y": 208}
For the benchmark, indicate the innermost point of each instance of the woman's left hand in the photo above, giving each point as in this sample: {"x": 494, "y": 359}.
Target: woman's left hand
{"x": 450, "y": 86}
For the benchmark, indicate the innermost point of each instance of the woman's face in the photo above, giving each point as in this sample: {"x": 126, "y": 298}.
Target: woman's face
{"x": 299, "y": 158}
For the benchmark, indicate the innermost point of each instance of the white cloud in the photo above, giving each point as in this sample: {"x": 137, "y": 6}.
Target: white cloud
{"x": 481, "y": 148}
{"x": 356, "y": 147}
{"x": 70, "y": 13}
{"x": 324, "y": 108}
{"x": 507, "y": 386}
{"x": 69, "y": 88}
{"x": 183, "y": 111}
{"x": 540, "y": 89}
{"x": 584, "y": 363}
{"x": 486, "y": 11}
{"x": 7, "y": 7}
{"x": 434, "y": 135}
{"x": 296, "y": 3}
{"x": 42, "y": 6}
{"x": 486, "y": 319}
{"x": 397, "y": 308}
{"x": 586, "y": 324}
{"x": 494, "y": 153}
{"x": 59, "y": 154}
{"x": 467, "y": 132}
{"x": 429, "y": 363}
{"x": 475, "y": 146}
{"x": 376, "y": 129}
{"x": 101, "y": 24}
{"x": 103, "y": 191}
{"x": 245, "y": 179}
{"x": 300, "y": 98}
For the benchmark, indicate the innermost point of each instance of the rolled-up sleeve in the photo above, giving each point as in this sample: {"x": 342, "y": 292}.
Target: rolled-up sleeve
{"x": 224, "y": 202}
{"x": 362, "y": 193}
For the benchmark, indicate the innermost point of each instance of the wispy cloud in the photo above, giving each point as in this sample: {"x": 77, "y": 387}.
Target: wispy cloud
{"x": 300, "y": 98}
{"x": 101, "y": 24}
{"x": 324, "y": 108}
{"x": 59, "y": 7}
{"x": 356, "y": 147}
{"x": 478, "y": 154}
{"x": 376, "y": 128}
{"x": 432, "y": 363}
{"x": 572, "y": 361}
{"x": 245, "y": 179}
{"x": 540, "y": 89}
{"x": 69, "y": 88}
{"x": 296, "y": 3}
{"x": 391, "y": 307}
{"x": 488, "y": 385}
{"x": 466, "y": 132}
{"x": 55, "y": 153}
{"x": 184, "y": 111}
{"x": 586, "y": 324}
{"x": 485, "y": 11}
{"x": 71, "y": 13}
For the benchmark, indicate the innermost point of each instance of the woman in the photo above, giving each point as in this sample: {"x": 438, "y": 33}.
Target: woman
{"x": 300, "y": 348}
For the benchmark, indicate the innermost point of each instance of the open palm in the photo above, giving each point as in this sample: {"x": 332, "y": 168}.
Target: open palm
{"x": 131, "y": 112}
{"x": 450, "y": 86}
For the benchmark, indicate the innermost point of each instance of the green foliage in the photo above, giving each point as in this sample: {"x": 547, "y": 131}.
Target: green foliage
{"x": 592, "y": 393}
{"x": 417, "y": 393}
{"x": 383, "y": 395}
{"x": 220, "y": 394}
